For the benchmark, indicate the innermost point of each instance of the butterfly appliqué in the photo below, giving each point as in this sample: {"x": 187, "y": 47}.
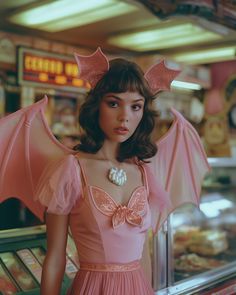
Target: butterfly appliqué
{"x": 132, "y": 213}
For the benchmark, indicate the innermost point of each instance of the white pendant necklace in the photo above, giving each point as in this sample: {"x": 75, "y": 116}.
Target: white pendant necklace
{"x": 117, "y": 176}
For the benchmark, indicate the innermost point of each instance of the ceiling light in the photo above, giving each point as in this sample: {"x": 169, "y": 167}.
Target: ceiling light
{"x": 167, "y": 36}
{"x": 206, "y": 56}
{"x": 71, "y": 13}
{"x": 91, "y": 16}
{"x": 185, "y": 85}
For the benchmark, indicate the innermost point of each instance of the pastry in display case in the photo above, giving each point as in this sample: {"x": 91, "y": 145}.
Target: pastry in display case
{"x": 198, "y": 248}
{"x": 7, "y": 286}
{"x": 18, "y": 271}
{"x": 201, "y": 241}
{"x": 31, "y": 263}
{"x": 39, "y": 253}
{"x": 195, "y": 263}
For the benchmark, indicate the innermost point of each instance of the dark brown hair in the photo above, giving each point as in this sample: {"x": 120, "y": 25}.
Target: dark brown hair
{"x": 122, "y": 76}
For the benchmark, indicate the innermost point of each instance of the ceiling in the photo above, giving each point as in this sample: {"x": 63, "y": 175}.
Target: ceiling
{"x": 217, "y": 19}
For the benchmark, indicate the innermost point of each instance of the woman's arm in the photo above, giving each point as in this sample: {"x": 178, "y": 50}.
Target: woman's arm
{"x": 146, "y": 259}
{"x": 55, "y": 260}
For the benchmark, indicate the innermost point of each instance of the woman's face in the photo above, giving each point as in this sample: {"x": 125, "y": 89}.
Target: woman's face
{"x": 120, "y": 115}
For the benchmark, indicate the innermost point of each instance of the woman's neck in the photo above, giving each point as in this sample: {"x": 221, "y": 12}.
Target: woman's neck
{"x": 109, "y": 151}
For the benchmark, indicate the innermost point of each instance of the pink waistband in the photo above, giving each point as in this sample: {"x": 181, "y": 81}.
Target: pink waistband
{"x": 110, "y": 266}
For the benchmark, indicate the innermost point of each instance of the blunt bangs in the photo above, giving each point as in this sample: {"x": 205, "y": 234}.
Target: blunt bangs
{"x": 123, "y": 76}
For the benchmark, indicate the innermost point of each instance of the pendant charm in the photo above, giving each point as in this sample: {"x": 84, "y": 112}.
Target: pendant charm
{"x": 117, "y": 176}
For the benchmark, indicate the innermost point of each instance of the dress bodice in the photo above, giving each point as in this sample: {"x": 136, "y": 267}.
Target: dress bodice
{"x": 107, "y": 232}
{"x": 103, "y": 230}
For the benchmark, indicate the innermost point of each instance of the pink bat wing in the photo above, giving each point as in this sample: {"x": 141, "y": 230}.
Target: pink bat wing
{"x": 27, "y": 147}
{"x": 92, "y": 67}
{"x": 180, "y": 164}
{"x": 159, "y": 76}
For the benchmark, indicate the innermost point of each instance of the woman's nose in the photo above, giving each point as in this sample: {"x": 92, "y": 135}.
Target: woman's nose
{"x": 123, "y": 115}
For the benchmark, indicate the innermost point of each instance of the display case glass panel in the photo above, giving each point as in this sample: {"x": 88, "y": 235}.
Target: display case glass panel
{"x": 202, "y": 241}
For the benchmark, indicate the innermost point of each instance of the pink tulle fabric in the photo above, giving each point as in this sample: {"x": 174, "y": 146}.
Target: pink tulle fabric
{"x": 60, "y": 186}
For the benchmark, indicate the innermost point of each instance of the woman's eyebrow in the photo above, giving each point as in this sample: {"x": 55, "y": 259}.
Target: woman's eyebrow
{"x": 113, "y": 96}
{"x": 139, "y": 99}
{"x": 118, "y": 98}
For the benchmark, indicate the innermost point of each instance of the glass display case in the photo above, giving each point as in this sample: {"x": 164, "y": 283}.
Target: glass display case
{"x": 195, "y": 250}
{"x": 22, "y": 252}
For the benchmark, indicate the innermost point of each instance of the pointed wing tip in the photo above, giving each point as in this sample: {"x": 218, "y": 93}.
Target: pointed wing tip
{"x": 42, "y": 102}
{"x": 97, "y": 51}
{"x": 176, "y": 113}
{"x": 45, "y": 99}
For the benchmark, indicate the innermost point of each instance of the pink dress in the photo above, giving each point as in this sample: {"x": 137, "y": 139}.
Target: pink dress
{"x": 109, "y": 237}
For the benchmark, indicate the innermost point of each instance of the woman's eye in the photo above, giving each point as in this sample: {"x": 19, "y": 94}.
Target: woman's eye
{"x": 137, "y": 107}
{"x": 112, "y": 104}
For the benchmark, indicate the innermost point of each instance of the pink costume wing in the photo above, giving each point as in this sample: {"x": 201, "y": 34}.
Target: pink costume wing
{"x": 179, "y": 165}
{"x": 27, "y": 147}
{"x": 159, "y": 77}
{"x": 92, "y": 67}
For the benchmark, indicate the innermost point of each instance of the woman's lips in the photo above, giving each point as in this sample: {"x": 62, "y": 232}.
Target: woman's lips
{"x": 121, "y": 130}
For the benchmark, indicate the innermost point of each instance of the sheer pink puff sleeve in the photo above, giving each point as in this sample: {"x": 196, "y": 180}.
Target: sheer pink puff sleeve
{"x": 60, "y": 186}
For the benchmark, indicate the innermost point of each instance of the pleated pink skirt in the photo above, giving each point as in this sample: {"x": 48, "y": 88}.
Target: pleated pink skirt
{"x": 115, "y": 282}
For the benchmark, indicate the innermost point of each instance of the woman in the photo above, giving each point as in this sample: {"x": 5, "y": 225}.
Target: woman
{"x": 106, "y": 193}
{"x": 108, "y": 218}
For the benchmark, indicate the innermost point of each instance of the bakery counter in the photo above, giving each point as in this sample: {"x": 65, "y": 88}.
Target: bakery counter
{"x": 201, "y": 242}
